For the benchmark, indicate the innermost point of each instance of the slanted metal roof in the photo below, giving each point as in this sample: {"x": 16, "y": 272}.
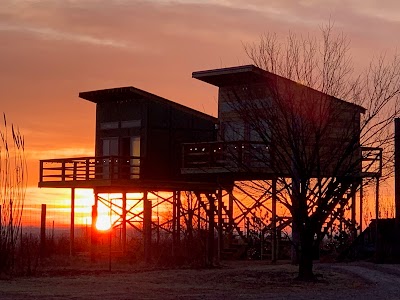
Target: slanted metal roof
{"x": 130, "y": 92}
{"x": 232, "y": 76}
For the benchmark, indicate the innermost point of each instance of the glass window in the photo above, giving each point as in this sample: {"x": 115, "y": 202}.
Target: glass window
{"x": 109, "y": 125}
{"x": 131, "y": 124}
{"x": 234, "y": 131}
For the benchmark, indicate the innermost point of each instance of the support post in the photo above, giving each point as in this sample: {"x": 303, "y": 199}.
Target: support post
{"x": 220, "y": 237}
{"x": 230, "y": 216}
{"x": 124, "y": 222}
{"x": 198, "y": 213}
{"x": 43, "y": 232}
{"x": 93, "y": 231}
{"x": 147, "y": 227}
{"x": 353, "y": 212}
{"x": 377, "y": 239}
{"x": 397, "y": 184}
{"x": 211, "y": 225}
{"x": 178, "y": 218}
{"x": 361, "y": 205}
{"x": 273, "y": 221}
{"x": 174, "y": 202}
{"x": 72, "y": 226}
{"x": 230, "y": 210}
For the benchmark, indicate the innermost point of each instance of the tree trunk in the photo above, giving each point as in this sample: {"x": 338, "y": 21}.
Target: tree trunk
{"x": 306, "y": 256}
{"x": 295, "y": 244}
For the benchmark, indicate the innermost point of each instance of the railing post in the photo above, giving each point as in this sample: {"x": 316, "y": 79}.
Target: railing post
{"x": 41, "y": 171}
{"x": 74, "y": 171}
{"x": 63, "y": 171}
{"x": 87, "y": 168}
{"x": 111, "y": 167}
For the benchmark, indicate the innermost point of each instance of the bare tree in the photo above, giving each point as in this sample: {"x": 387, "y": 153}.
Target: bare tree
{"x": 13, "y": 180}
{"x": 312, "y": 139}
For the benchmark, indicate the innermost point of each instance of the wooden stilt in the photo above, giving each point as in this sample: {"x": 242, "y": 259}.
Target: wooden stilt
{"x": 178, "y": 218}
{"x": 361, "y": 205}
{"x": 93, "y": 231}
{"x": 397, "y": 185}
{"x": 273, "y": 221}
{"x": 353, "y": 212}
{"x": 147, "y": 211}
{"x": 72, "y": 225}
{"x": 230, "y": 216}
{"x": 174, "y": 205}
{"x": 377, "y": 238}
{"x": 211, "y": 225}
{"x": 220, "y": 229}
{"x": 124, "y": 223}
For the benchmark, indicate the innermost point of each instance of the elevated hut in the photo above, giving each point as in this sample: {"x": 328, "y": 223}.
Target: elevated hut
{"x": 145, "y": 143}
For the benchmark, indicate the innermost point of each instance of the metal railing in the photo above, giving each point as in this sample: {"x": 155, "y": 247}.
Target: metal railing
{"x": 225, "y": 154}
{"x": 372, "y": 163}
{"x": 256, "y": 156}
{"x": 90, "y": 168}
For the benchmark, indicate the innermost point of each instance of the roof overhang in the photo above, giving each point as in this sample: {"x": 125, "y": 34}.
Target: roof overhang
{"x": 250, "y": 74}
{"x": 232, "y": 76}
{"x": 109, "y": 95}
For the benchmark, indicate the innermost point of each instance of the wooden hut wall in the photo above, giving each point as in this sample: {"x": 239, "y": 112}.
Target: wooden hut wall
{"x": 168, "y": 128}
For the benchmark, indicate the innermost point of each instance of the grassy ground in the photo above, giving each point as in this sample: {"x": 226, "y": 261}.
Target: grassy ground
{"x": 232, "y": 280}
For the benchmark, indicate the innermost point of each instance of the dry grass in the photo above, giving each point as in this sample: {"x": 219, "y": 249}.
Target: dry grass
{"x": 233, "y": 280}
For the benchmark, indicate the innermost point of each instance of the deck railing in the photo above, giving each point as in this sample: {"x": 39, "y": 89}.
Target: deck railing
{"x": 372, "y": 161}
{"x": 245, "y": 155}
{"x": 89, "y": 168}
{"x": 225, "y": 154}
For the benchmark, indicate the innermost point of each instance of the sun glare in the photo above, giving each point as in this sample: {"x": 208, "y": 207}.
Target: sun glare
{"x": 103, "y": 223}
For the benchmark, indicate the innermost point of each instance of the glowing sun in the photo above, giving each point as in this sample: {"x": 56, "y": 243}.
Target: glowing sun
{"x": 103, "y": 223}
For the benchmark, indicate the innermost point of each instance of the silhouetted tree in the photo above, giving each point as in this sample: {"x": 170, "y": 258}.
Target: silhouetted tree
{"x": 311, "y": 137}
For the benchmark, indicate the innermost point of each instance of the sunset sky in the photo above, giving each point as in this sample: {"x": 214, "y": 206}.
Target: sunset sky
{"x": 50, "y": 50}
